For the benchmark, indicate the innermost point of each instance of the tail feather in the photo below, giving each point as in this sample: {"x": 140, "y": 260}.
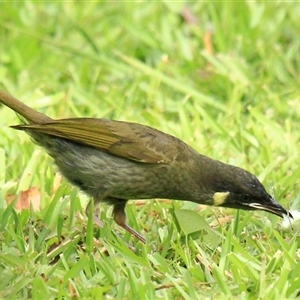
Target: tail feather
{"x": 31, "y": 115}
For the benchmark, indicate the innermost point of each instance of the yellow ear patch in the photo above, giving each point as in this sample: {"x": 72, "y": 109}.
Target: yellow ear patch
{"x": 219, "y": 198}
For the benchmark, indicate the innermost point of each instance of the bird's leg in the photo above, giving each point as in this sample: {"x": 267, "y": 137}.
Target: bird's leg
{"x": 120, "y": 219}
{"x": 96, "y": 219}
{"x": 99, "y": 223}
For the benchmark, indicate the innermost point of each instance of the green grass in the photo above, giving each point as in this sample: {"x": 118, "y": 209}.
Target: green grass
{"x": 142, "y": 62}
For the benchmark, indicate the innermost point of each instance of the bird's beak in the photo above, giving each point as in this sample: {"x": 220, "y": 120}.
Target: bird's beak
{"x": 272, "y": 207}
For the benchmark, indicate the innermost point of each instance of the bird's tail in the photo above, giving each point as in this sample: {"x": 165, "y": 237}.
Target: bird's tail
{"x": 31, "y": 115}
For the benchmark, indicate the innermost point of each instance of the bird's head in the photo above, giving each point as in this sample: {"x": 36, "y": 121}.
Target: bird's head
{"x": 237, "y": 188}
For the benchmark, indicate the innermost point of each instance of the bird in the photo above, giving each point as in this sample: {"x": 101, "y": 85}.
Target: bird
{"x": 114, "y": 161}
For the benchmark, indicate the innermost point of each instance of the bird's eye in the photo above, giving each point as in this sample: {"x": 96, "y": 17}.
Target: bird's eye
{"x": 246, "y": 198}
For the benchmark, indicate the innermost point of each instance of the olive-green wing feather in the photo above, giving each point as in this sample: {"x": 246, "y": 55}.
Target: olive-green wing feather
{"x": 129, "y": 140}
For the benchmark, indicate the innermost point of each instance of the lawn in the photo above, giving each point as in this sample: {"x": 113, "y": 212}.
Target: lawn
{"x": 222, "y": 76}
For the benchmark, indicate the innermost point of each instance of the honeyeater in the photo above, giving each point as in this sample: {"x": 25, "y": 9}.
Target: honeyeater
{"x": 113, "y": 161}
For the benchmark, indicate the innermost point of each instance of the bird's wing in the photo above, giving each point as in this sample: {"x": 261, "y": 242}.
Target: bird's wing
{"x": 128, "y": 140}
